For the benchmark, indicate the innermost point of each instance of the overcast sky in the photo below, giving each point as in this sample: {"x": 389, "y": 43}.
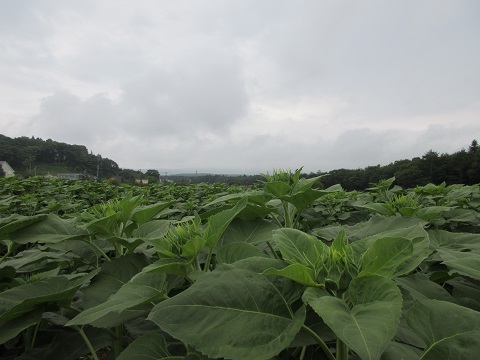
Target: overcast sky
{"x": 243, "y": 86}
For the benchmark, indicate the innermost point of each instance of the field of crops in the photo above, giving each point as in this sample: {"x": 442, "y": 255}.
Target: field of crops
{"x": 283, "y": 270}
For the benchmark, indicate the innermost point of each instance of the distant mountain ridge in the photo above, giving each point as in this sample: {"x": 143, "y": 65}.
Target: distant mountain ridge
{"x": 34, "y": 156}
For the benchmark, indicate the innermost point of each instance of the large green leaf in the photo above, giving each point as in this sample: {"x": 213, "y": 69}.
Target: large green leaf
{"x": 421, "y": 287}
{"x": 289, "y": 289}
{"x": 449, "y": 330}
{"x": 464, "y": 263}
{"x": 35, "y": 260}
{"x": 380, "y": 208}
{"x": 375, "y": 226}
{"x": 15, "y": 222}
{"x": 219, "y": 222}
{"x": 466, "y": 292}
{"x": 231, "y": 313}
{"x": 175, "y": 266}
{"x": 82, "y": 250}
{"x": 154, "y": 229}
{"x": 143, "y": 288}
{"x": 416, "y": 234}
{"x": 297, "y": 272}
{"x": 253, "y": 232}
{"x": 277, "y": 188}
{"x": 369, "y": 325}
{"x": 51, "y": 229}
{"x": 142, "y": 215}
{"x": 25, "y": 298}
{"x": 253, "y": 212}
{"x": 304, "y": 184}
{"x": 430, "y": 212}
{"x": 385, "y": 256}
{"x": 454, "y": 241}
{"x": 303, "y": 198}
{"x": 127, "y": 205}
{"x": 232, "y": 252}
{"x": 299, "y": 247}
{"x": 457, "y": 215}
{"x": 113, "y": 275}
{"x": 105, "y": 226}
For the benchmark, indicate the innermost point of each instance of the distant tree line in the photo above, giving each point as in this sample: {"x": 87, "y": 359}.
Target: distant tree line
{"x": 461, "y": 167}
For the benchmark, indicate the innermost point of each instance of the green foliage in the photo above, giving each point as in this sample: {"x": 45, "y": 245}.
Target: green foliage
{"x": 203, "y": 271}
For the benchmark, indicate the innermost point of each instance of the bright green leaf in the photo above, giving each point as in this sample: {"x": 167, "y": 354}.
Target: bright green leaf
{"x": 385, "y": 256}
{"x": 299, "y": 247}
{"x": 297, "y": 272}
{"x": 371, "y": 323}
{"x": 219, "y": 222}
{"x": 449, "y": 330}
{"x": 232, "y": 252}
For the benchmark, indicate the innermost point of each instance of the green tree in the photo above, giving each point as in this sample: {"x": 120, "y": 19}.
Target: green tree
{"x": 473, "y": 173}
{"x": 152, "y": 175}
{"x": 473, "y": 146}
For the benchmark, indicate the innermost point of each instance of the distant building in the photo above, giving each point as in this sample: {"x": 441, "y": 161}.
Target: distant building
{"x": 141, "y": 181}
{"x": 7, "y": 169}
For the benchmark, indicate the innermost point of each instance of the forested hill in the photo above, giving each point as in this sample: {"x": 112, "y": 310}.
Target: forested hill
{"x": 29, "y": 156}
{"x": 461, "y": 167}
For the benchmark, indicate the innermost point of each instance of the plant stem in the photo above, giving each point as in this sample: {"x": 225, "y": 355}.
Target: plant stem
{"x": 320, "y": 342}
{"x": 209, "y": 259}
{"x": 286, "y": 215}
{"x": 342, "y": 350}
{"x": 272, "y": 250}
{"x": 302, "y": 354}
{"x": 89, "y": 344}
{"x": 35, "y": 334}
{"x": 277, "y": 221}
{"x": 9, "y": 251}
{"x": 27, "y": 339}
{"x": 296, "y": 217}
{"x": 96, "y": 247}
{"x": 4, "y": 257}
{"x": 118, "y": 340}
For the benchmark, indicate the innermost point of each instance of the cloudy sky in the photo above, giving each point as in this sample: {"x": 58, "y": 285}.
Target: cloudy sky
{"x": 243, "y": 85}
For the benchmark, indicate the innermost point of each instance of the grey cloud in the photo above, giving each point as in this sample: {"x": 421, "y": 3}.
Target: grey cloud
{"x": 66, "y": 117}
{"x": 387, "y": 57}
{"x": 198, "y": 95}
{"x": 204, "y": 96}
{"x": 182, "y": 73}
{"x": 446, "y": 139}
